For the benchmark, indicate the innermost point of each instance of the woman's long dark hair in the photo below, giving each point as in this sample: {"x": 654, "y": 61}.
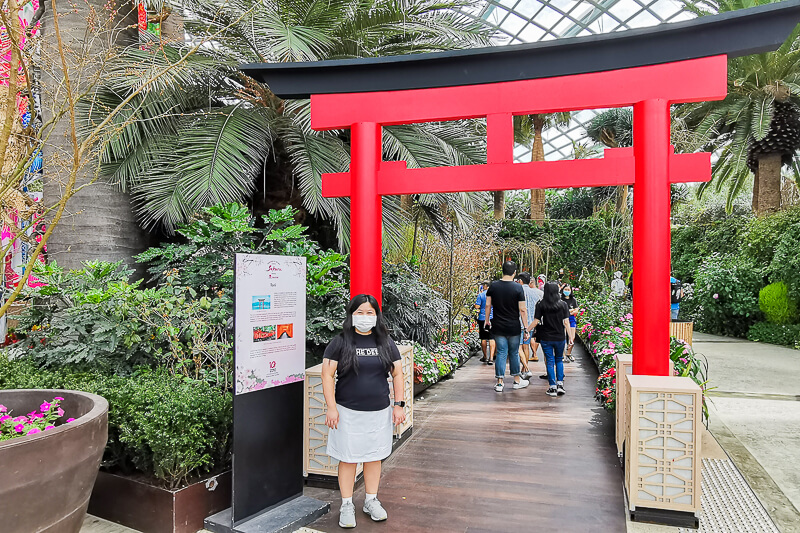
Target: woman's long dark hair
{"x": 348, "y": 359}
{"x": 552, "y": 296}
{"x": 571, "y": 296}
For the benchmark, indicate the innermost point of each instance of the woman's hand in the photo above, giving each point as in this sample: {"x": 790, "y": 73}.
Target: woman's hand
{"x": 332, "y": 418}
{"x": 398, "y": 415}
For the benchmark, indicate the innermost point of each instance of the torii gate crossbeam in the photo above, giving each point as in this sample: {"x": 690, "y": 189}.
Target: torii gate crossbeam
{"x": 650, "y": 165}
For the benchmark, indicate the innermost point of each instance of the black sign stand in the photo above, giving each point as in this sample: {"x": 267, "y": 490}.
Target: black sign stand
{"x": 268, "y": 464}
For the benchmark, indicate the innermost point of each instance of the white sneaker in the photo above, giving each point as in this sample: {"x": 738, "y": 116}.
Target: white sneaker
{"x": 375, "y": 510}
{"x": 347, "y": 515}
{"x": 498, "y": 387}
{"x": 522, "y": 384}
{"x": 526, "y": 375}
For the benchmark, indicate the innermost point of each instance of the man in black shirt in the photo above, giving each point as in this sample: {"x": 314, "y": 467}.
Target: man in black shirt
{"x": 505, "y": 303}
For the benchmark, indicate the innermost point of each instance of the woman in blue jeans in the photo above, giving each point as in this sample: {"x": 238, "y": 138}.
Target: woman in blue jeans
{"x": 551, "y": 320}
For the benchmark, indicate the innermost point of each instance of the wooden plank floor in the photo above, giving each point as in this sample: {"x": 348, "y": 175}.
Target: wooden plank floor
{"x": 481, "y": 461}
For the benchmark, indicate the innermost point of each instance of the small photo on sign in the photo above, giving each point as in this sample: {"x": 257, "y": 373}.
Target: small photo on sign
{"x": 285, "y": 331}
{"x": 262, "y": 303}
{"x": 263, "y": 333}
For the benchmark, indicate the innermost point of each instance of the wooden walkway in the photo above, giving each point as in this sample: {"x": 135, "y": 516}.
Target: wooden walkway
{"x": 480, "y": 461}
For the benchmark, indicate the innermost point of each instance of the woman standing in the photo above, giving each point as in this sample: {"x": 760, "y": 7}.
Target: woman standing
{"x": 568, "y": 296}
{"x": 359, "y": 415}
{"x": 551, "y": 318}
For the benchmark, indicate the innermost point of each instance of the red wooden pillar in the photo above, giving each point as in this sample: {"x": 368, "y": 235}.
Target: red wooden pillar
{"x": 651, "y": 237}
{"x": 365, "y": 210}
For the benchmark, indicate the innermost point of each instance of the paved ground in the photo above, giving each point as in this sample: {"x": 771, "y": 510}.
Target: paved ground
{"x": 755, "y": 415}
{"x": 479, "y": 461}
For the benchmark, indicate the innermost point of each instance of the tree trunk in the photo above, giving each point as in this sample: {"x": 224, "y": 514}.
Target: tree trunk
{"x": 406, "y": 203}
{"x": 499, "y": 205}
{"x": 99, "y": 223}
{"x": 756, "y": 182}
{"x": 768, "y": 177}
{"x": 622, "y": 199}
{"x": 538, "y": 196}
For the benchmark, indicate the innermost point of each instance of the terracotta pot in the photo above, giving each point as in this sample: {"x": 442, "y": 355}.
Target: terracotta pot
{"x": 46, "y": 479}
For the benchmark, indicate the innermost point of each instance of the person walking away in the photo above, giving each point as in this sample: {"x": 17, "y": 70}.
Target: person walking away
{"x": 524, "y": 341}
{"x": 531, "y": 299}
{"x": 568, "y": 296}
{"x": 505, "y": 304}
{"x": 487, "y": 344}
{"x": 538, "y": 295}
{"x": 676, "y": 294}
{"x": 359, "y": 415}
{"x": 551, "y": 319}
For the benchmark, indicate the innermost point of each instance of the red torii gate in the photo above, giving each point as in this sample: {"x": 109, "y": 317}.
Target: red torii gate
{"x": 650, "y": 165}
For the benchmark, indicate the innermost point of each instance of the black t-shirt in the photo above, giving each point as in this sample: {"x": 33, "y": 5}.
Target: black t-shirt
{"x": 571, "y": 302}
{"x": 551, "y": 327}
{"x": 368, "y": 390}
{"x": 506, "y": 296}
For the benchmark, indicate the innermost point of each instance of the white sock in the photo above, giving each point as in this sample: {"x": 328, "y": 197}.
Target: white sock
{"x": 347, "y": 500}
{"x": 370, "y": 497}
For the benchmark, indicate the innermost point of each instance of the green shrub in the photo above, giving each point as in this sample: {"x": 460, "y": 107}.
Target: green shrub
{"x": 786, "y": 260}
{"x": 726, "y": 295}
{"x": 763, "y": 235}
{"x": 205, "y": 263}
{"x": 774, "y": 302}
{"x": 413, "y": 310}
{"x": 784, "y": 334}
{"x": 168, "y": 428}
{"x": 698, "y": 239}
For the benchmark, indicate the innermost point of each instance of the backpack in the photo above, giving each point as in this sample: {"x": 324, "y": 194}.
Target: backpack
{"x": 675, "y": 292}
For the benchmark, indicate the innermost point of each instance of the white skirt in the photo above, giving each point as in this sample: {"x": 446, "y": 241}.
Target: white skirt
{"x": 361, "y": 436}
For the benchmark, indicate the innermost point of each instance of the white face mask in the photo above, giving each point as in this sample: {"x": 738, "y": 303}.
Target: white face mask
{"x": 364, "y": 323}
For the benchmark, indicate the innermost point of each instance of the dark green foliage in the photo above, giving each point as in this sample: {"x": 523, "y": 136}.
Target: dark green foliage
{"x": 735, "y": 283}
{"x": 214, "y": 237}
{"x": 764, "y": 234}
{"x": 784, "y": 334}
{"x": 699, "y": 238}
{"x": 412, "y": 309}
{"x": 786, "y": 260}
{"x": 775, "y": 303}
{"x": 578, "y": 243}
{"x": 85, "y": 319}
{"x": 165, "y": 427}
{"x": 572, "y": 203}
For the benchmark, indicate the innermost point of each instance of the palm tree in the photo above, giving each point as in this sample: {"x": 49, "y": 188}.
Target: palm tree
{"x": 210, "y": 134}
{"x": 757, "y": 126}
{"x": 528, "y": 131}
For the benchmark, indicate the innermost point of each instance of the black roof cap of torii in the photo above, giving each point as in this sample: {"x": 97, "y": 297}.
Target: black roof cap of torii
{"x": 736, "y": 33}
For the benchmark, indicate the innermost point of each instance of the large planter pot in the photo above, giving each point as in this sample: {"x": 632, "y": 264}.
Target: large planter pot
{"x": 46, "y": 479}
{"x": 152, "y": 509}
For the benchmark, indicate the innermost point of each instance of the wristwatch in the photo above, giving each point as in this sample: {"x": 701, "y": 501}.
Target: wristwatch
{"x": 400, "y": 404}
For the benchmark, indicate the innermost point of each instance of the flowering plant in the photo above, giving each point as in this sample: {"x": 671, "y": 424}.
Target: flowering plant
{"x": 34, "y": 422}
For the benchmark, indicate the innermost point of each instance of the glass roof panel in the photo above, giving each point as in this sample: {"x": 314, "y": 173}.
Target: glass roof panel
{"x": 527, "y": 21}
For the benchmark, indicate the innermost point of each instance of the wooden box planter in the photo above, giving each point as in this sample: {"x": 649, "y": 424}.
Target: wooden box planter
{"x": 151, "y": 509}
{"x": 682, "y": 330}
{"x": 316, "y": 462}
{"x": 46, "y": 478}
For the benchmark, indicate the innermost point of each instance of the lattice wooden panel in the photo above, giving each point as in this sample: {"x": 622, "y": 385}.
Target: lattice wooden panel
{"x": 624, "y": 366}
{"x": 662, "y": 461}
{"x": 682, "y": 330}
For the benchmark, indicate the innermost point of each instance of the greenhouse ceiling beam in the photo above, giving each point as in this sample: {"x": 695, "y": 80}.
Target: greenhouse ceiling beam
{"x": 737, "y": 33}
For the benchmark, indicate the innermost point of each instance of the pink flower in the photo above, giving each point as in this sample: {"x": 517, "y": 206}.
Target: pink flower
{"x": 33, "y": 430}
{"x": 70, "y": 420}
{"x": 20, "y": 419}
{"x": 49, "y": 427}
{"x": 19, "y": 428}
{"x": 3, "y": 408}
{"x": 716, "y": 296}
{"x": 629, "y": 316}
{"x": 4, "y": 418}
{"x": 59, "y": 398}
{"x": 44, "y": 407}
{"x": 60, "y": 412}
{"x": 612, "y": 345}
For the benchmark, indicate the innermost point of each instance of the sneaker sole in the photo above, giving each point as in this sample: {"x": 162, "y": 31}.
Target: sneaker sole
{"x": 375, "y": 519}
{"x": 561, "y": 393}
{"x": 343, "y": 526}
{"x": 552, "y": 394}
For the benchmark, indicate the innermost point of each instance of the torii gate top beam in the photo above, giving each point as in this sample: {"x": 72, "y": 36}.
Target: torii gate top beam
{"x": 737, "y": 33}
